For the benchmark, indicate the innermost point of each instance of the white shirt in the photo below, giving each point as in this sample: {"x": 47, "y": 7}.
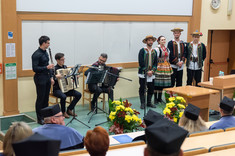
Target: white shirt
{"x": 194, "y": 65}
{"x": 173, "y": 65}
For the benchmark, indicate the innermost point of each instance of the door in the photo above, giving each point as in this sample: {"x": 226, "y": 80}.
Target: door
{"x": 219, "y": 52}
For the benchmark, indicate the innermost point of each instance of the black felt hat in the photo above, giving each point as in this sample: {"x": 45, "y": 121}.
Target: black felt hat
{"x": 151, "y": 117}
{"x": 37, "y": 145}
{"x": 50, "y": 111}
{"x": 227, "y": 104}
{"x": 192, "y": 112}
{"x": 165, "y": 137}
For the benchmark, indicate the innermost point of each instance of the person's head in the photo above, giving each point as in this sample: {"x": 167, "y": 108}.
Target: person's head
{"x": 102, "y": 59}
{"x": 149, "y": 40}
{"x": 161, "y": 40}
{"x": 196, "y": 36}
{"x": 59, "y": 57}
{"x": 53, "y": 115}
{"x": 44, "y": 42}
{"x": 17, "y": 132}
{"x": 226, "y": 106}
{"x": 164, "y": 138}
{"x": 37, "y": 145}
{"x": 191, "y": 120}
{"x": 177, "y": 33}
{"x": 97, "y": 141}
{"x": 151, "y": 117}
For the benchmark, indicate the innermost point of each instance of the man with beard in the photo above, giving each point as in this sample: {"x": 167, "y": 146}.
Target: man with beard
{"x": 95, "y": 88}
{"x": 177, "y": 57}
{"x": 147, "y": 66}
{"x": 195, "y": 54}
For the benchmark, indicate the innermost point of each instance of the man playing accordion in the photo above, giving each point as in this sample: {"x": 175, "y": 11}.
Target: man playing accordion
{"x": 97, "y": 89}
{"x": 59, "y": 57}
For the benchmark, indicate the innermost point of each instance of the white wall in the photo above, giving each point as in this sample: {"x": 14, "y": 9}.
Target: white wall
{"x": 150, "y": 7}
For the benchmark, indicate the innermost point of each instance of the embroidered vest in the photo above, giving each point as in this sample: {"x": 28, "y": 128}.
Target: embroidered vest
{"x": 199, "y": 54}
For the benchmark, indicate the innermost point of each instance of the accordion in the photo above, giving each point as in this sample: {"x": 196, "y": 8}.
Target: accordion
{"x": 109, "y": 79}
{"x": 65, "y": 83}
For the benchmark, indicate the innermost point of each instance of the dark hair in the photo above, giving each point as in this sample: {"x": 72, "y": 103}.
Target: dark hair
{"x": 59, "y": 56}
{"x": 43, "y": 39}
{"x": 153, "y": 152}
{"x": 158, "y": 39}
{"x": 227, "y": 112}
{"x": 104, "y": 55}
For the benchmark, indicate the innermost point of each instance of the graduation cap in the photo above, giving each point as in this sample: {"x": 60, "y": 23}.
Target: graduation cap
{"x": 151, "y": 117}
{"x": 50, "y": 111}
{"x": 165, "y": 137}
{"x": 227, "y": 104}
{"x": 37, "y": 145}
{"x": 192, "y": 112}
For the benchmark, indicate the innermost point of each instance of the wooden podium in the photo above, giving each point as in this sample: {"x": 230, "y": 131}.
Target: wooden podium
{"x": 200, "y": 97}
{"x": 224, "y": 84}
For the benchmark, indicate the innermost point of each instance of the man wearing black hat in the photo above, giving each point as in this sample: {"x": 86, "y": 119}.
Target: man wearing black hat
{"x": 37, "y": 145}
{"x": 164, "y": 138}
{"x": 54, "y": 128}
{"x": 147, "y": 66}
{"x": 149, "y": 119}
{"x": 226, "y": 111}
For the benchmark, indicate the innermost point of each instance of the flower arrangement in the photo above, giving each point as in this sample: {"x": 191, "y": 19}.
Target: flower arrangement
{"x": 174, "y": 108}
{"x": 123, "y": 118}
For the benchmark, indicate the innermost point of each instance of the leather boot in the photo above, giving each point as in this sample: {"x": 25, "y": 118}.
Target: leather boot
{"x": 142, "y": 101}
{"x": 149, "y": 101}
{"x": 155, "y": 98}
{"x": 159, "y": 99}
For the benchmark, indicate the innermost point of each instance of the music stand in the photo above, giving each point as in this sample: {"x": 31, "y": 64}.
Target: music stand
{"x": 95, "y": 77}
{"x": 74, "y": 74}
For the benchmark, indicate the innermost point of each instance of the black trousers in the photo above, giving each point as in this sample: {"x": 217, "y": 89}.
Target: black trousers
{"x": 77, "y": 96}
{"x": 150, "y": 86}
{"x": 43, "y": 85}
{"x": 177, "y": 77}
{"x": 194, "y": 74}
{"x": 97, "y": 91}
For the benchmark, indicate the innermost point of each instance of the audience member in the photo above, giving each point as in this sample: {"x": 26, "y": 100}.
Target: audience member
{"x": 191, "y": 120}
{"x": 97, "y": 141}
{"x": 37, "y": 145}
{"x": 17, "y": 132}
{"x": 164, "y": 138}
{"x": 149, "y": 119}
{"x": 54, "y": 128}
{"x": 226, "y": 112}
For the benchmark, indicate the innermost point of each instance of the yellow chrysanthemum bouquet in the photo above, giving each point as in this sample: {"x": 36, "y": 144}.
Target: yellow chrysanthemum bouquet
{"x": 174, "y": 108}
{"x": 123, "y": 118}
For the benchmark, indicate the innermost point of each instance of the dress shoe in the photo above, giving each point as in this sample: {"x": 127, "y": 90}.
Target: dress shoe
{"x": 151, "y": 105}
{"x": 70, "y": 112}
{"x": 66, "y": 115}
{"x": 142, "y": 106}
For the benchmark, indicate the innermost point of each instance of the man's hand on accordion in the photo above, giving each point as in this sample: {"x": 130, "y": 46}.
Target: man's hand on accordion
{"x": 58, "y": 76}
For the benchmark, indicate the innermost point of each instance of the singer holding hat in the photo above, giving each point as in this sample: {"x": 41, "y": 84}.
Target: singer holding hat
{"x": 43, "y": 75}
{"x": 59, "y": 57}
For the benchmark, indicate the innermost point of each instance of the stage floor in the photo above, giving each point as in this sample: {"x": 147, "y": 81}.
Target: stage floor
{"x": 101, "y": 117}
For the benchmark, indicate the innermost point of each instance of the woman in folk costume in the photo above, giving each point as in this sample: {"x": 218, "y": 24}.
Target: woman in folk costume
{"x": 164, "y": 70}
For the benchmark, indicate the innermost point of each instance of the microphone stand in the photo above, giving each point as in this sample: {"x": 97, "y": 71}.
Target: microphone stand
{"x": 74, "y": 75}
